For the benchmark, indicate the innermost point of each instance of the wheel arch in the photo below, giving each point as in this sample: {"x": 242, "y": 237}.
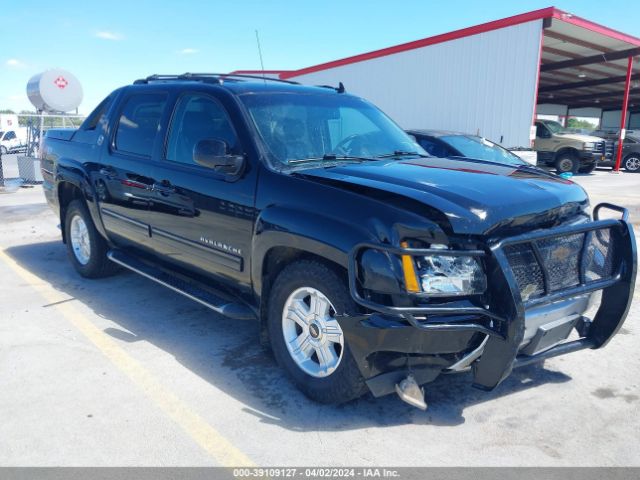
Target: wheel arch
{"x": 72, "y": 184}
{"x": 564, "y": 150}
{"x": 285, "y": 235}
{"x": 286, "y": 252}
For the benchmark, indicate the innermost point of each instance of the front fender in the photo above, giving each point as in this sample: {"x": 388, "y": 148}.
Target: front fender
{"x": 331, "y": 236}
{"x": 288, "y": 227}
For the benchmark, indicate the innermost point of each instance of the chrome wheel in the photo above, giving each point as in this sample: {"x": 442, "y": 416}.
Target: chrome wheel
{"x": 632, "y": 164}
{"x": 79, "y": 238}
{"x": 311, "y": 332}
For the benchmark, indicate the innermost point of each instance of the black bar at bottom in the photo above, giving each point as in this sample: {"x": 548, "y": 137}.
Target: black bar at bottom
{"x": 556, "y": 351}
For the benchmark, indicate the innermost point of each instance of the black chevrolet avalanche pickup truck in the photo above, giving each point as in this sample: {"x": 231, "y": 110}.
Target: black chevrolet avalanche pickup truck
{"x": 370, "y": 265}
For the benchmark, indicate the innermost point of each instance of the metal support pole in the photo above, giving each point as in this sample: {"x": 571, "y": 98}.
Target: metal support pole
{"x": 623, "y": 115}
{"x": 41, "y": 131}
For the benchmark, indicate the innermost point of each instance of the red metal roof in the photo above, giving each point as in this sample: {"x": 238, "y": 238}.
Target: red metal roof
{"x": 550, "y": 12}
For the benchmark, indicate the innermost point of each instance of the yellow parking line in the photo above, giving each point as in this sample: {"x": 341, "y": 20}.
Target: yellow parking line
{"x": 225, "y": 453}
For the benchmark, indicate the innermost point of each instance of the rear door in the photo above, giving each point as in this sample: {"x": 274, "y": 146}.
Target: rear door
{"x": 200, "y": 218}
{"x": 124, "y": 179}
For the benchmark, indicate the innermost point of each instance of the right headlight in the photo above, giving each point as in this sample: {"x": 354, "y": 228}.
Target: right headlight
{"x": 444, "y": 275}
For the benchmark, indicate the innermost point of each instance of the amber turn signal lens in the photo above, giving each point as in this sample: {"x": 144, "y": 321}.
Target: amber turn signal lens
{"x": 409, "y": 269}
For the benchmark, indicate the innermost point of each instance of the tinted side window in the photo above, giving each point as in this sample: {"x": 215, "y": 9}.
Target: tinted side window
{"x": 139, "y": 122}
{"x": 10, "y": 135}
{"x": 94, "y": 118}
{"x": 540, "y": 130}
{"x": 198, "y": 117}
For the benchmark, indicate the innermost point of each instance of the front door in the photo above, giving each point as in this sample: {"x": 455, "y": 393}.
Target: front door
{"x": 200, "y": 218}
{"x": 123, "y": 178}
{"x": 544, "y": 141}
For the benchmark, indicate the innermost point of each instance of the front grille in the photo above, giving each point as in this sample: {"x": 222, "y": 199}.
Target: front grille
{"x": 599, "y": 147}
{"x": 608, "y": 149}
{"x": 563, "y": 261}
{"x": 526, "y": 269}
{"x": 561, "y": 256}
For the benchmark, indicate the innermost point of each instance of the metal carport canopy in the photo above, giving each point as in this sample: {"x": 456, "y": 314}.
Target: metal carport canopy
{"x": 586, "y": 65}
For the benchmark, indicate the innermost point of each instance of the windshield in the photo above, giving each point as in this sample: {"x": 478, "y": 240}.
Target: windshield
{"x": 555, "y": 127}
{"x": 306, "y": 128}
{"x": 482, "y": 149}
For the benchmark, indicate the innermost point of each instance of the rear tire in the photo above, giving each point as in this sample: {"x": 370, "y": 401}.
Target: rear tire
{"x": 87, "y": 249}
{"x": 632, "y": 163}
{"x": 298, "y": 288}
{"x": 567, "y": 162}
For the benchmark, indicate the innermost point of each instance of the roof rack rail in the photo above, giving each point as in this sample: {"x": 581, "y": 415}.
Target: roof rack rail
{"x": 217, "y": 78}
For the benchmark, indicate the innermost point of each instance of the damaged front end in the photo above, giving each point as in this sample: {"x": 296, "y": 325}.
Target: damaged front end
{"x": 539, "y": 288}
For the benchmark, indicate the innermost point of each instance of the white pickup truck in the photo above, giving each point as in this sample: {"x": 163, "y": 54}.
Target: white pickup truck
{"x": 13, "y": 139}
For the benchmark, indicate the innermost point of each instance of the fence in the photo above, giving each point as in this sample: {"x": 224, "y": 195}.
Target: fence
{"x": 20, "y": 164}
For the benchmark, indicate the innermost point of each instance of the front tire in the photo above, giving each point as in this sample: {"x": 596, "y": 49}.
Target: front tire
{"x": 632, "y": 163}
{"x": 567, "y": 162}
{"x": 86, "y": 248}
{"x": 3, "y": 150}
{"x": 305, "y": 336}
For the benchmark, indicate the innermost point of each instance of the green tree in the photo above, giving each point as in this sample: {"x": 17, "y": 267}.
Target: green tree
{"x": 575, "y": 123}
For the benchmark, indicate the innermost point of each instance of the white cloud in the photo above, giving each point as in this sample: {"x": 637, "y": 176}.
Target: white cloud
{"x": 15, "y": 63}
{"x": 107, "y": 35}
{"x": 188, "y": 51}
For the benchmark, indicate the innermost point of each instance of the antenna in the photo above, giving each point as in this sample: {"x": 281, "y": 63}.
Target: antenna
{"x": 260, "y": 55}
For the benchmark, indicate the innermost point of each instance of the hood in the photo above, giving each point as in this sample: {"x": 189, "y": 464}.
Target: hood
{"x": 477, "y": 197}
{"x": 579, "y": 137}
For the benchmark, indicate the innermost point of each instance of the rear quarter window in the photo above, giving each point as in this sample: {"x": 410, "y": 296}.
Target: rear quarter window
{"x": 138, "y": 123}
{"x": 94, "y": 123}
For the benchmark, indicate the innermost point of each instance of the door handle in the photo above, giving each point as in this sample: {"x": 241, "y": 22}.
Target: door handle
{"x": 163, "y": 188}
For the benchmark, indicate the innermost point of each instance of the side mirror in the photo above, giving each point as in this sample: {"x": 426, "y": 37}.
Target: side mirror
{"x": 545, "y": 134}
{"x": 213, "y": 153}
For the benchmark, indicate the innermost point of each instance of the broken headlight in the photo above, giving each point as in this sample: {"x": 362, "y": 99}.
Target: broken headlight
{"x": 444, "y": 275}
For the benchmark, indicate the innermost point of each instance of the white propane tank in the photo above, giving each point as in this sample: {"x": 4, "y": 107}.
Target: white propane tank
{"x": 54, "y": 90}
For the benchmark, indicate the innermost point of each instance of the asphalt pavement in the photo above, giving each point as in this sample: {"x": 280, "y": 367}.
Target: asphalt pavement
{"x": 122, "y": 372}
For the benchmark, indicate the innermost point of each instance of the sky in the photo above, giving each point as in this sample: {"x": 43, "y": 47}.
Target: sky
{"x": 110, "y": 44}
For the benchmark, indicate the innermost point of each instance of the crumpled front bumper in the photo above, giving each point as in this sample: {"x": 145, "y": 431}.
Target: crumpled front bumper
{"x": 439, "y": 330}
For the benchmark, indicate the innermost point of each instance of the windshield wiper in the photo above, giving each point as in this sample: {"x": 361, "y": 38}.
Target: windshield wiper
{"x": 328, "y": 157}
{"x": 402, "y": 153}
{"x": 496, "y": 162}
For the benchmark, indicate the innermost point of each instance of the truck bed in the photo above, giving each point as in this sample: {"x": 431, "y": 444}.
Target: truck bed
{"x": 61, "y": 133}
